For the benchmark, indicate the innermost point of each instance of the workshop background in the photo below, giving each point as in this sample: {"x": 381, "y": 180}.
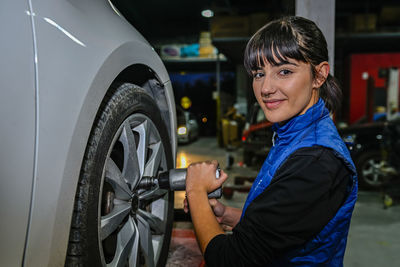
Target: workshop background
{"x": 88, "y": 134}
{"x": 202, "y": 43}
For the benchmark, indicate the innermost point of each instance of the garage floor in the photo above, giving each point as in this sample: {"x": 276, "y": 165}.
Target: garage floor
{"x": 374, "y": 237}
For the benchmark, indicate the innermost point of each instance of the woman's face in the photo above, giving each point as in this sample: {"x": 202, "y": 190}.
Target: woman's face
{"x": 285, "y": 90}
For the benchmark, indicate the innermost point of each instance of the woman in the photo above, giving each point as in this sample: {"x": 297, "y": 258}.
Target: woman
{"x": 299, "y": 208}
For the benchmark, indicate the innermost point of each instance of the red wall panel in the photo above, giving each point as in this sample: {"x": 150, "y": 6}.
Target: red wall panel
{"x": 370, "y": 63}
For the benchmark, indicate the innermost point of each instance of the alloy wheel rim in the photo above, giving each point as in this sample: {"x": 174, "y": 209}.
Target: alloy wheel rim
{"x": 133, "y": 221}
{"x": 372, "y": 172}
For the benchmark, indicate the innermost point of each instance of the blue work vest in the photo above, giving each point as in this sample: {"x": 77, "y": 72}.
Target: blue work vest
{"x": 314, "y": 128}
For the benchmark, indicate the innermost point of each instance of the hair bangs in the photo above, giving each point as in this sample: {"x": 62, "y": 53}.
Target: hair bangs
{"x": 276, "y": 44}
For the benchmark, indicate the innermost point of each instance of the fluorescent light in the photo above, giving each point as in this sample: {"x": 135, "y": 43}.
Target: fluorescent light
{"x": 207, "y": 13}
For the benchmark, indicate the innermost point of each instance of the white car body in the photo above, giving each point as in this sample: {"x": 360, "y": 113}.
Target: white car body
{"x": 58, "y": 59}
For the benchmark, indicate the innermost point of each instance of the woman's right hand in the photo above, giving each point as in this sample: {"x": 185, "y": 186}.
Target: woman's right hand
{"x": 228, "y": 217}
{"x": 219, "y": 210}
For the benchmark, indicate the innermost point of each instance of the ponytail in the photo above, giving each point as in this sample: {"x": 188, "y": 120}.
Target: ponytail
{"x": 331, "y": 93}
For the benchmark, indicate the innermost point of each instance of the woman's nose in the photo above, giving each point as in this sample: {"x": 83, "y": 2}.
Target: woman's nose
{"x": 268, "y": 86}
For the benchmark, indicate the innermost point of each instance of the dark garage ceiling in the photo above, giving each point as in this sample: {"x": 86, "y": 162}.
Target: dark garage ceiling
{"x": 180, "y": 21}
{"x": 160, "y": 20}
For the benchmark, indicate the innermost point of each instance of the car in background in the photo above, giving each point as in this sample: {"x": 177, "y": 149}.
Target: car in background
{"x": 257, "y": 136}
{"x": 366, "y": 144}
{"x": 87, "y": 111}
{"x": 187, "y": 126}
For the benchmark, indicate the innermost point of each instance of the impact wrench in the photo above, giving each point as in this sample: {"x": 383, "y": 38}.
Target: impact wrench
{"x": 175, "y": 180}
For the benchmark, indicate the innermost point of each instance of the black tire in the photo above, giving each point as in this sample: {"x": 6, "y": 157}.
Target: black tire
{"x": 113, "y": 209}
{"x": 369, "y": 175}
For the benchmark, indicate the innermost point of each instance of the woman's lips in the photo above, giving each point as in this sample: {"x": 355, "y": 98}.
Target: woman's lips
{"x": 272, "y": 104}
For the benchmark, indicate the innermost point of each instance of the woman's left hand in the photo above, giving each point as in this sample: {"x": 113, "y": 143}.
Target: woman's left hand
{"x": 201, "y": 178}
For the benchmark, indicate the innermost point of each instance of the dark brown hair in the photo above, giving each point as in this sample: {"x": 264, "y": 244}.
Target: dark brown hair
{"x": 297, "y": 38}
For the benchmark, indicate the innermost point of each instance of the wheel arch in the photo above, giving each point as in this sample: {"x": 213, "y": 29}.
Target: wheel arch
{"x": 145, "y": 77}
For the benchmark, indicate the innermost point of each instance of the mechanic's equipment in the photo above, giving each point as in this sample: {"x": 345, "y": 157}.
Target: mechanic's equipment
{"x": 175, "y": 180}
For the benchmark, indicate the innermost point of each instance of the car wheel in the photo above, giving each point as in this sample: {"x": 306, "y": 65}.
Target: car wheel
{"x": 118, "y": 219}
{"x": 369, "y": 170}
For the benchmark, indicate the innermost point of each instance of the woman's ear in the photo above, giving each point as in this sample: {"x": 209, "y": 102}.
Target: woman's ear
{"x": 321, "y": 74}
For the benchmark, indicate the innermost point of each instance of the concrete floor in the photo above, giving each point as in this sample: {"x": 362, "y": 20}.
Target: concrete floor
{"x": 374, "y": 237}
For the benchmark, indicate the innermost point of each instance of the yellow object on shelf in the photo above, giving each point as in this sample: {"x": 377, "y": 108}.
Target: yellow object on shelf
{"x": 206, "y": 49}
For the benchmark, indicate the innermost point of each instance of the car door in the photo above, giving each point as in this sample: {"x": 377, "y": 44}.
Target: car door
{"x": 17, "y": 134}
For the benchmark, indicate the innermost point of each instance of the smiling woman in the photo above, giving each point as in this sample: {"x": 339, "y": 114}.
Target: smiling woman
{"x": 295, "y": 53}
{"x": 299, "y": 208}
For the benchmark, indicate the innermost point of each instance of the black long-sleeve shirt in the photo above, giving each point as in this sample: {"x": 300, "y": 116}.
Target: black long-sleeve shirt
{"x": 304, "y": 195}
